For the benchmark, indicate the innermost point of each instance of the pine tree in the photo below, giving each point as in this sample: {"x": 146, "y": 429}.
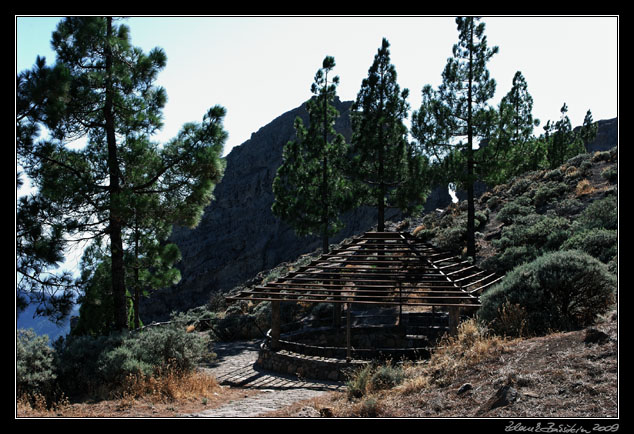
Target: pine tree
{"x": 388, "y": 170}
{"x": 588, "y": 131}
{"x": 310, "y": 190}
{"x": 513, "y": 143}
{"x": 111, "y": 102}
{"x": 561, "y": 141}
{"x": 459, "y": 111}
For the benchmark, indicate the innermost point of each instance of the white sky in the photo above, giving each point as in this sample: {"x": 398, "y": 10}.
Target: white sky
{"x": 261, "y": 67}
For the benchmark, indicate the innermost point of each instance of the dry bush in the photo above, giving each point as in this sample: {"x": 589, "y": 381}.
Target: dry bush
{"x": 469, "y": 346}
{"x": 584, "y": 187}
{"x": 167, "y": 385}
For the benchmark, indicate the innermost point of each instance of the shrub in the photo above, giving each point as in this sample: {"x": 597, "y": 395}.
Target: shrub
{"x": 519, "y": 207}
{"x": 510, "y": 257}
{"x": 493, "y": 202}
{"x": 611, "y": 174}
{"x": 372, "y": 378}
{"x": 77, "y": 361}
{"x": 34, "y": 369}
{"x": 562, "y": 290}
{"x": 577, "y": 160}
{"x": 520, "y": 186}
{"x": 599, "y": 243}
{"x": 357, "y": 384}
{"x": 170, "y": 345}
{"x": 543, "y": 232}
{"x": 548, "y": 191}
{"x": 451, "y": 238}
{"x": 88, "y": 364}
{"x": 568, "y": 207}
{"x": 386, "y": 377}
{"x": 583, "y": 187}
{"x": 602, "y": 213}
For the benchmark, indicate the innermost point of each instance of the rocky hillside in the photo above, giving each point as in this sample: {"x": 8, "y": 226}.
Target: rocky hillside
{"x": 239, "y": 237}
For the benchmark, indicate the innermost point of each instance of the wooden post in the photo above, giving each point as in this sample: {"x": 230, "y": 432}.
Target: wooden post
{"x": 275, "y": 324}
{"x": 454, "y": 320}
{"x": 348, "y": 352}
{"x": 336, "y": 316}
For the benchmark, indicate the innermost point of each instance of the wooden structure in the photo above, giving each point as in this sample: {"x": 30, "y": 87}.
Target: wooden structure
{"x": 379, "y": 268}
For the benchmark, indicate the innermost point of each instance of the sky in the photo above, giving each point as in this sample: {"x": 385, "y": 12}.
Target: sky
{"x": 259, "y": 67}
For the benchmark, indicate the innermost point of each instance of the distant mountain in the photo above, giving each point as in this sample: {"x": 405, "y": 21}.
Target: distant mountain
{"x": 42, "y": 325}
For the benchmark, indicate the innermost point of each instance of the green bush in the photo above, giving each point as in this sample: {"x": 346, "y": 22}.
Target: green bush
{"x": 372, "y": 378}
{"x": 386, "y": 377}
{"x": 34, "y": 368}
{"x": 87, "y": 363}
{"x": 452, "y": 237}
{"x": 558, "y": 291}
{"x": 600, "y": 214}
{"x": 519, "y": 207}
{"x": 568, "y": 207}
{"x": 611, "y": 174}
{"x": 77, "y": 361}
{"x": 357, "y": 384}
{"x": 579, "y": 159}
{"x": 599, "y": 243}
{"x": 520, "y": 186}
{"x": 510, "y": 257}
{"x": 543, "y": 232}
{"x": 545, "y": 193}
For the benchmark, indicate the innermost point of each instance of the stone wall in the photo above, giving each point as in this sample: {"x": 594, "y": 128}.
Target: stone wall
{"x": 319, "y": 368}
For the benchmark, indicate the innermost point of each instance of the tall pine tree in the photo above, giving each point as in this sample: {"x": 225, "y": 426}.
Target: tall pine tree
{"x": 310, "y": 190}
{"x": 388, "y": 170}
{"x": 452, "y": 119}
{"x": 513, "y": 143}
{"x": 111, "y": 102}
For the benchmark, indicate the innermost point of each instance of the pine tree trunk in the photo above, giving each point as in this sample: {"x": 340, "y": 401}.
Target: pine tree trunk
{"x": 381, "y": 198}
{"x": 324, "y": 181}
{"x": 470, "y": 199}
{"x": 115, "y": 226}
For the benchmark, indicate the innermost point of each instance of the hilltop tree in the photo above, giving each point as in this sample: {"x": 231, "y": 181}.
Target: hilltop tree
{"x": 310, "y": 189}
{"x": 562, "y": 142}
{"x": 110, "y": 101}
{"x": 459, "y": 111}
{"x": 513, "y": 141}
{"x": 588, "y": 131}
{"x": 388, "y": 170}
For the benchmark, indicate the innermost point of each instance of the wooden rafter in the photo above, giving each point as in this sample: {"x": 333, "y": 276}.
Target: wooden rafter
{"x": 387, "y": 268}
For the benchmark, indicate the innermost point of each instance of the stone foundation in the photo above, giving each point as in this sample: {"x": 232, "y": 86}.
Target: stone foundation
{"x": 321, "y": 352}
{"x": 319, "y": 368}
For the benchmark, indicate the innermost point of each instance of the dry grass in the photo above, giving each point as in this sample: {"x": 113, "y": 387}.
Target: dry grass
{"x": 470, "y": 346}
{"x": 168, "y": 394}
{"x": 584, "y": 187}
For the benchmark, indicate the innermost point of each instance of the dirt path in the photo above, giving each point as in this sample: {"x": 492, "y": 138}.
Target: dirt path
{"x": 265, "y": 391}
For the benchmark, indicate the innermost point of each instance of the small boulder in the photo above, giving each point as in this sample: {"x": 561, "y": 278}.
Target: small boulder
{"x": 465, "y": 388}
{"x": 504, "y": 396}
{"x": 595, "y": 336}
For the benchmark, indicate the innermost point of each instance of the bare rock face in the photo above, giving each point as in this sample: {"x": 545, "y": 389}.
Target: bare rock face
{"x": 238, "y": 235}
{"x": 607, "y": 135}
